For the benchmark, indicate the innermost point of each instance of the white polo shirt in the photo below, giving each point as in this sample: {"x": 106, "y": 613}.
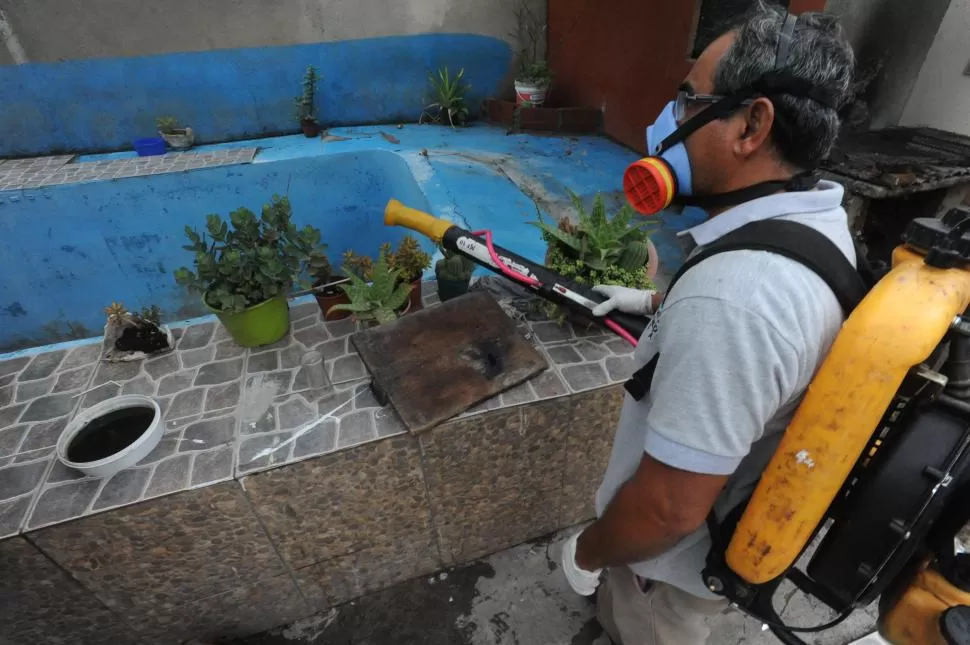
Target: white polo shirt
{"x": 740, "y": 337}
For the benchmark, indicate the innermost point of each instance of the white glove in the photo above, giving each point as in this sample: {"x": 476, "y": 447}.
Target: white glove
{"x": 583, "y": 582}
{"x": 631, "y": 301}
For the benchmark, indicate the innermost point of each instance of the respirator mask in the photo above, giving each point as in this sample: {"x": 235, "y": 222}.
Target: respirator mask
{"x": 664, "y": 179}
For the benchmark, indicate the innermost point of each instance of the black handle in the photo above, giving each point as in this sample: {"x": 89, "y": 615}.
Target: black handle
{"x": 634, "y": 325}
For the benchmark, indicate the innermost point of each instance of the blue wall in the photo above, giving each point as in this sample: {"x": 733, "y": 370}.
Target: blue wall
{"x": 104, "y": 104}
{"x": 68, "y": 251}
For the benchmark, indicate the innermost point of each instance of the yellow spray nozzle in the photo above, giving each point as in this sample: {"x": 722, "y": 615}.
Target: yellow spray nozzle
{"x": 397, "y": 214}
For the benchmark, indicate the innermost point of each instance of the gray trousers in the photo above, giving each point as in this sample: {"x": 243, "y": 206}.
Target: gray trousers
{"x": 633, "y": 611}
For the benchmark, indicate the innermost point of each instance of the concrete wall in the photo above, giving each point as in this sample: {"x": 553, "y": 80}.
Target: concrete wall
{"x": 941, "y": 94}
{"x": 97, "y": 77}
{"x": 891, "y": 40}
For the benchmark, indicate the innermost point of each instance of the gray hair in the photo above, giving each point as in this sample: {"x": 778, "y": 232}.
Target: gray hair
{"x": 804, "y": 130}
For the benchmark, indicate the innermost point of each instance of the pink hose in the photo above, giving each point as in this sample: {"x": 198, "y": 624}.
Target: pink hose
{"x": 532, "y": 282}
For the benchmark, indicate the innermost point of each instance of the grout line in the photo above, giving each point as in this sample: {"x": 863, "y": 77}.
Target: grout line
{"x": 269, "y": 538}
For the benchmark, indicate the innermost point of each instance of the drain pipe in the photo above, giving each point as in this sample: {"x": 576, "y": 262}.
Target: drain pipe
{"x": 10, "y": 39}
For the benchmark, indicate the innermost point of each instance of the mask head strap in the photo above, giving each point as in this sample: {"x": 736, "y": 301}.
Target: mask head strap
{"x": 777, "y": 81}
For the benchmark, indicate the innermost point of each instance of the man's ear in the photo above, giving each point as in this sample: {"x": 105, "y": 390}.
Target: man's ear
{"x": 757, "y": 120}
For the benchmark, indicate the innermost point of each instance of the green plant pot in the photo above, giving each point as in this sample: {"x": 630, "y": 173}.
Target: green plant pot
{"x": 261, "y": 324}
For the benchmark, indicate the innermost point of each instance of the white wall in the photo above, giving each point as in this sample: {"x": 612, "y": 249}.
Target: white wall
{"x": 55, "y": 30}
{"x": 941, "y": 96}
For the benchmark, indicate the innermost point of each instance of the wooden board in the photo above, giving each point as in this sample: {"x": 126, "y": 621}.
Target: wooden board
{"x": 436, "y": 363}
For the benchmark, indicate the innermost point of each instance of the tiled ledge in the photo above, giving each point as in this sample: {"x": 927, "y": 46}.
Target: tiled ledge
{"x": 16, "y": 174}
{"x": 248, "y": 517}
{"x": 230, "y": 411}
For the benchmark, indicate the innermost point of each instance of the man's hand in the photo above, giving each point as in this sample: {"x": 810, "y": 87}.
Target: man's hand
{"x": 631, "y": 301}
{"x": 583, "y": 582}
{"x": 651, "y": 512}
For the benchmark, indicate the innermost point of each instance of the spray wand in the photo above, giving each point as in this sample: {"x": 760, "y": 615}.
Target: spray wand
{"x": 478, "y": 247}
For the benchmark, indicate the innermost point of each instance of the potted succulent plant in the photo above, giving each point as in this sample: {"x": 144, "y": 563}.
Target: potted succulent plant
{"x": 130, "y": 336}
{"x": 534, "y": 78}
{"x": 380, "y": 300}
{"x": 454, "y": 273}
{"x": 306, "y": 111}
{"x": 177, "y": 136}
{"x": 411, "y": 262}
{"x": 244, "y": 272}
{"x": 327, "y": 293}
{"x": 599, "y": 248}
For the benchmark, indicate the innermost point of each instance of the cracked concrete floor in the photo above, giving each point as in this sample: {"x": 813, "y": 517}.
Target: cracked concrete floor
{"x": 515, "y": 597}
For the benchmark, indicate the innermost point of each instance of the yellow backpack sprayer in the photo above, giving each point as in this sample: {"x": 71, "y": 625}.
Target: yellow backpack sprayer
{"x": 875, "y": 461}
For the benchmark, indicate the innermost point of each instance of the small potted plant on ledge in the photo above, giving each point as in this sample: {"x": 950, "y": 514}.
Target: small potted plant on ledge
{"x": 306, "y": 110}
{"x": 327, "y": 293}
{"x": 245, "y": 272}
{"x": 132, "y": 336}
{"x": 177, "y": 136}
{"x": 534, "y": 78}
{"x": 601, "y": 249}
{"x": 411, "y": 262}
{"x": 447, "y": 98}
{"x": 381, "y": 300}
{"x": 454, "y": 273}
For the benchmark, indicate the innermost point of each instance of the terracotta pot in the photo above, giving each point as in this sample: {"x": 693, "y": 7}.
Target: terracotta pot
{"x": 326, "y": 301}
{"x": 310, "y": 128}
{"x": 414, "y": 298}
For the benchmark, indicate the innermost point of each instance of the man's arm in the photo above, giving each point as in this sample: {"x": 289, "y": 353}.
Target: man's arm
{"x": 650, "y": 513}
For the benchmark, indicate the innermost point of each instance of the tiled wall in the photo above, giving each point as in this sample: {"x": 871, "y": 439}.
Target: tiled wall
{"x": 241, "y": 556}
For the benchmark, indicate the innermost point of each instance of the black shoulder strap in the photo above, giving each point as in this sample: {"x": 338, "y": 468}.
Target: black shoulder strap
{"x": 797, "y": 242}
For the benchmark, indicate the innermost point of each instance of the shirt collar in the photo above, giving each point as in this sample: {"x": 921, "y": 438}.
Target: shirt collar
{"x": 826, "y": 196}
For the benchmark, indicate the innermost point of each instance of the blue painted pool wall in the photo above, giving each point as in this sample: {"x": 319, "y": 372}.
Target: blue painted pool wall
{"x": 68, "y": 251}
{"x": 104, "y": 104}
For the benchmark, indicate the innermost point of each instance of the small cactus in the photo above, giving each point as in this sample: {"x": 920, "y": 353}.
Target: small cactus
{"x": 455, "y": 267}
{"x": 635, "y": 255}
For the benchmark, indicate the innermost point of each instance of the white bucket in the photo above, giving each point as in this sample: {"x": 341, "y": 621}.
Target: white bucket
{"x": 529, "y": 95}
{"x": 127, "y": 456}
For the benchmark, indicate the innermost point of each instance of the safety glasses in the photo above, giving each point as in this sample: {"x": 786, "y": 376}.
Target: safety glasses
{"x": 685, "y": 99}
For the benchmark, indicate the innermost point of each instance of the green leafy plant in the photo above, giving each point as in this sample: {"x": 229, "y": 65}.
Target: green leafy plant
{"x": 169, "y": 125}
{"x": 448, "y": 98}
{"x": 255, "y": 260}
{"x": 151, "y": 314}
{"x": 305, "y": 103}
{"x": 598, "y": 249}
{"x": 409, "y": 259}
{"x": 598, "y": 240}
{"x": 454, "y": 266}
{"x": 530, "y": 34}
{"x": 379, "y": 300}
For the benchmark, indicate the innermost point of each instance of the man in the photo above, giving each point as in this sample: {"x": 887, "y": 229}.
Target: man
{"x": 738, "y": 338}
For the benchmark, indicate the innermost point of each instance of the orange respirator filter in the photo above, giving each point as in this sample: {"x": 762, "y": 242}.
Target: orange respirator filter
{"x": 649, "y": 185}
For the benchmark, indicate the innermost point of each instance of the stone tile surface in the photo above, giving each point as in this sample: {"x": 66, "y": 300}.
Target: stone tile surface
{"x": 354, "y": 574}
{"x": 589, "y": 440}
{"x": 242, "y": 611}
{"x": 372, "y": 493}
{"x": 37, "y": 172}
{"x": 157, "y": 555}
{"x": 40, "y": 603}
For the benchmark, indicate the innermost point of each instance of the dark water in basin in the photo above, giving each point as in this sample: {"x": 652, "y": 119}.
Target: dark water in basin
{"x": 109, "y": 434}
